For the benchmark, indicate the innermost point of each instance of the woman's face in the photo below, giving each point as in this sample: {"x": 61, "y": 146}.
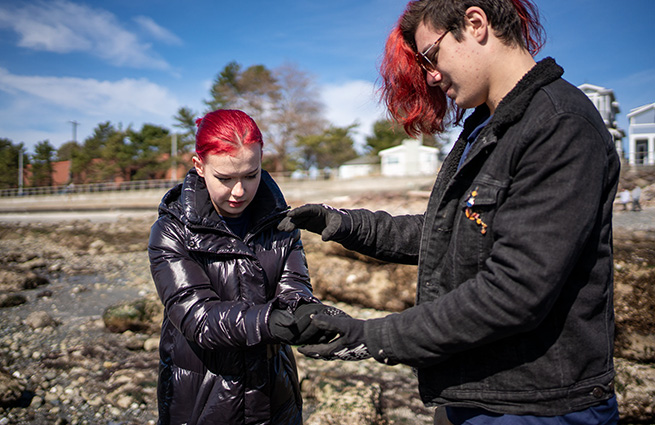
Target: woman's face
{"x": 232, "y": 179}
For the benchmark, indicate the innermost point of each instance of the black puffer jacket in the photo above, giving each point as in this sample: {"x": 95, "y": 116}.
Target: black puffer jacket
{"x": 219, "y": 362}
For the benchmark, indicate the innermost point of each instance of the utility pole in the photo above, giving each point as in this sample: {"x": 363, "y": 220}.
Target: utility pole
{"x": 70, "y": 160}
{"x": 75, "y": 124}
{"x": 174, "y": 157}
{"x": 20, "y": 170}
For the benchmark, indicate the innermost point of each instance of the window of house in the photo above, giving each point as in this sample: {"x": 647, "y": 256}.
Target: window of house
{"x": 641, "y": 151}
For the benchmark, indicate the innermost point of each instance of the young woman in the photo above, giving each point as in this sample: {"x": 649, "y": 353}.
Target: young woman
{"x": 236, "y": 290}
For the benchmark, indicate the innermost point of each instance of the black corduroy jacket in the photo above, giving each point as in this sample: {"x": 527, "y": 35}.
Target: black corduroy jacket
{"x": 514, "y": 306}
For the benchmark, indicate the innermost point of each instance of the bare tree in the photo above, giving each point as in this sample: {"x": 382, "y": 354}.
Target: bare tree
{"x": 284, "y": 102}
{"x": 298, "y": 113}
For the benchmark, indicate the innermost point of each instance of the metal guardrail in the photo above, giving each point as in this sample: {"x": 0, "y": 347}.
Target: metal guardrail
{"x": 88, "y": 188}
{"x": 135, "y": 185}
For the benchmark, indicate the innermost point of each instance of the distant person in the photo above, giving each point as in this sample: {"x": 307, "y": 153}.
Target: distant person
{"x": 625, "y": 198}
{"x": 636, "y": 195}
{"x": 514, "y": 320}
{"x": 235, "y": 289}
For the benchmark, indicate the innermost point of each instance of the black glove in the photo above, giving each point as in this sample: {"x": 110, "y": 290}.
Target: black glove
{"x": 329, "y": 222}
{"x": 297, "y": 328}
{"x": 349, "y": 345}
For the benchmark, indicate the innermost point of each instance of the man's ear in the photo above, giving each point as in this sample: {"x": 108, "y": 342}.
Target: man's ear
{"x": 477, "y": 24}
{"x": 200, "y": 169}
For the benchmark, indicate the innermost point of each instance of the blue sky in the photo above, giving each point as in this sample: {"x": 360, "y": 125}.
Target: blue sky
{"x": 137, "y": 61}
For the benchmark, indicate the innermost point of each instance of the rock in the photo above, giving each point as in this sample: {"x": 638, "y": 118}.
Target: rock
{"x": 341, "y": 403}
{"x": 11, "y": 300}
{"x": 44, "y": 294}
{"x": 34, "y": 281}
{"x": 124, "y": 401}
{"x": 133, "y": 341}
{"x": 137, "y": 316}
{"x": 11, "y": 389}
{"x": 634, "y": 297}
{"x": 635, "y": 346}
{"x": 9, "y": 280}
{"x": 96, "y": 247}
{"x": 635, "y": 391}
{"x": 364, "y": 282}
{"x": 12, "y": 280}
{"x": 151, "y": 344}
{"x": 35, "y": 263}
{"x": 40, "y": 319}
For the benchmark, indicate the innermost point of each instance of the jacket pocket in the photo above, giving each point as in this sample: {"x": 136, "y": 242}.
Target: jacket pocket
{"x": 473, "y": 230}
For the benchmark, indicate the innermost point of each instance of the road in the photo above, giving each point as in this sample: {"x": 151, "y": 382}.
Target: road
{"x": 114, "y": 206}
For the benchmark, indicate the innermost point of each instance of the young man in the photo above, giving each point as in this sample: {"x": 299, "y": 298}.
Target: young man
{"x": 514, "y": 317}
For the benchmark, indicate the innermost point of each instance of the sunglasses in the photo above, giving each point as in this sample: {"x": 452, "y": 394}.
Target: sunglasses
{"x": 422, "y": 57}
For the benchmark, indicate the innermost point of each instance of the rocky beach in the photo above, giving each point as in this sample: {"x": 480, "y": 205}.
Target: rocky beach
{"x": 80, "y": 321}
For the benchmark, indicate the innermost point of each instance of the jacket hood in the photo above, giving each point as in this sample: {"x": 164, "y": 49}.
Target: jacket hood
{"x": 189, "y": 202}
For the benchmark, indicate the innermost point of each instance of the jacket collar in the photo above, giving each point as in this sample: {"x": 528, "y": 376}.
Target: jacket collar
{"x": 512, "y": 107}
{"x": 509, "y": 111}
{"x": 189, "y": 202}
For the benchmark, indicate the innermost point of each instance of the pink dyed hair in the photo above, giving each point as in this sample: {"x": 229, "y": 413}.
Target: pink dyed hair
{"x": 224, "y": 131}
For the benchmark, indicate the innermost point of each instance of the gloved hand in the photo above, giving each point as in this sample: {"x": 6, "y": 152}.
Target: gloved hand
{"x": 297, "y": 328}
{"x": 349, "y": 345}
{"x": 323, "y": 219}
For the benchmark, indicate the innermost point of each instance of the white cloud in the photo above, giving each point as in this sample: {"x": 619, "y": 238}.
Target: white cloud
{"x": 157, "y": 31}
{"x": 62, "y": 26}
{"x": 101, "y": 98}
{"x": 353, "y": 102}
{"x": 41, "y": 107}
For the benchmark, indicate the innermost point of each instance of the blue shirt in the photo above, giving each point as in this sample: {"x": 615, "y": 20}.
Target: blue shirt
{"x": 471, "y": 139}
{"x": 606, "y": 413}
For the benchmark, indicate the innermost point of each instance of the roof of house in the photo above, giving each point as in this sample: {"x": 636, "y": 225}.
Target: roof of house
{"x": 363, "y": 160}
{"x": 397, "y": 148}
{"x": 641, "y": 109}
{"x": 592, "y": 88}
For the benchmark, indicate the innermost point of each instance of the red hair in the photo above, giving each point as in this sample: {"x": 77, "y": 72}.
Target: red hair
{"x": 224, "y": 131}
{"x": 531, "y": 29}
{"x": 418, "y": 107}
{"x": 410, "y": 101}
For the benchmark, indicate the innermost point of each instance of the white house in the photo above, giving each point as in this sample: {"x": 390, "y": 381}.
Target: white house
{"x": 609, "y": 108}
{"x": 410, "y": 158}
{"x": 359, "y": 167}
{"x": 642, "y": 135}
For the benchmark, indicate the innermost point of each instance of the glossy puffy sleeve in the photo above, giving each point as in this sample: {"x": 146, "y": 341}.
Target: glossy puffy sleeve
{"x": 294, "y": 286}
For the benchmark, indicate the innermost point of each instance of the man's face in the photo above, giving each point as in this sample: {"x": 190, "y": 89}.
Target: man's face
{"x": 232, "y": 179}
{"x": 458, "y": 69}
